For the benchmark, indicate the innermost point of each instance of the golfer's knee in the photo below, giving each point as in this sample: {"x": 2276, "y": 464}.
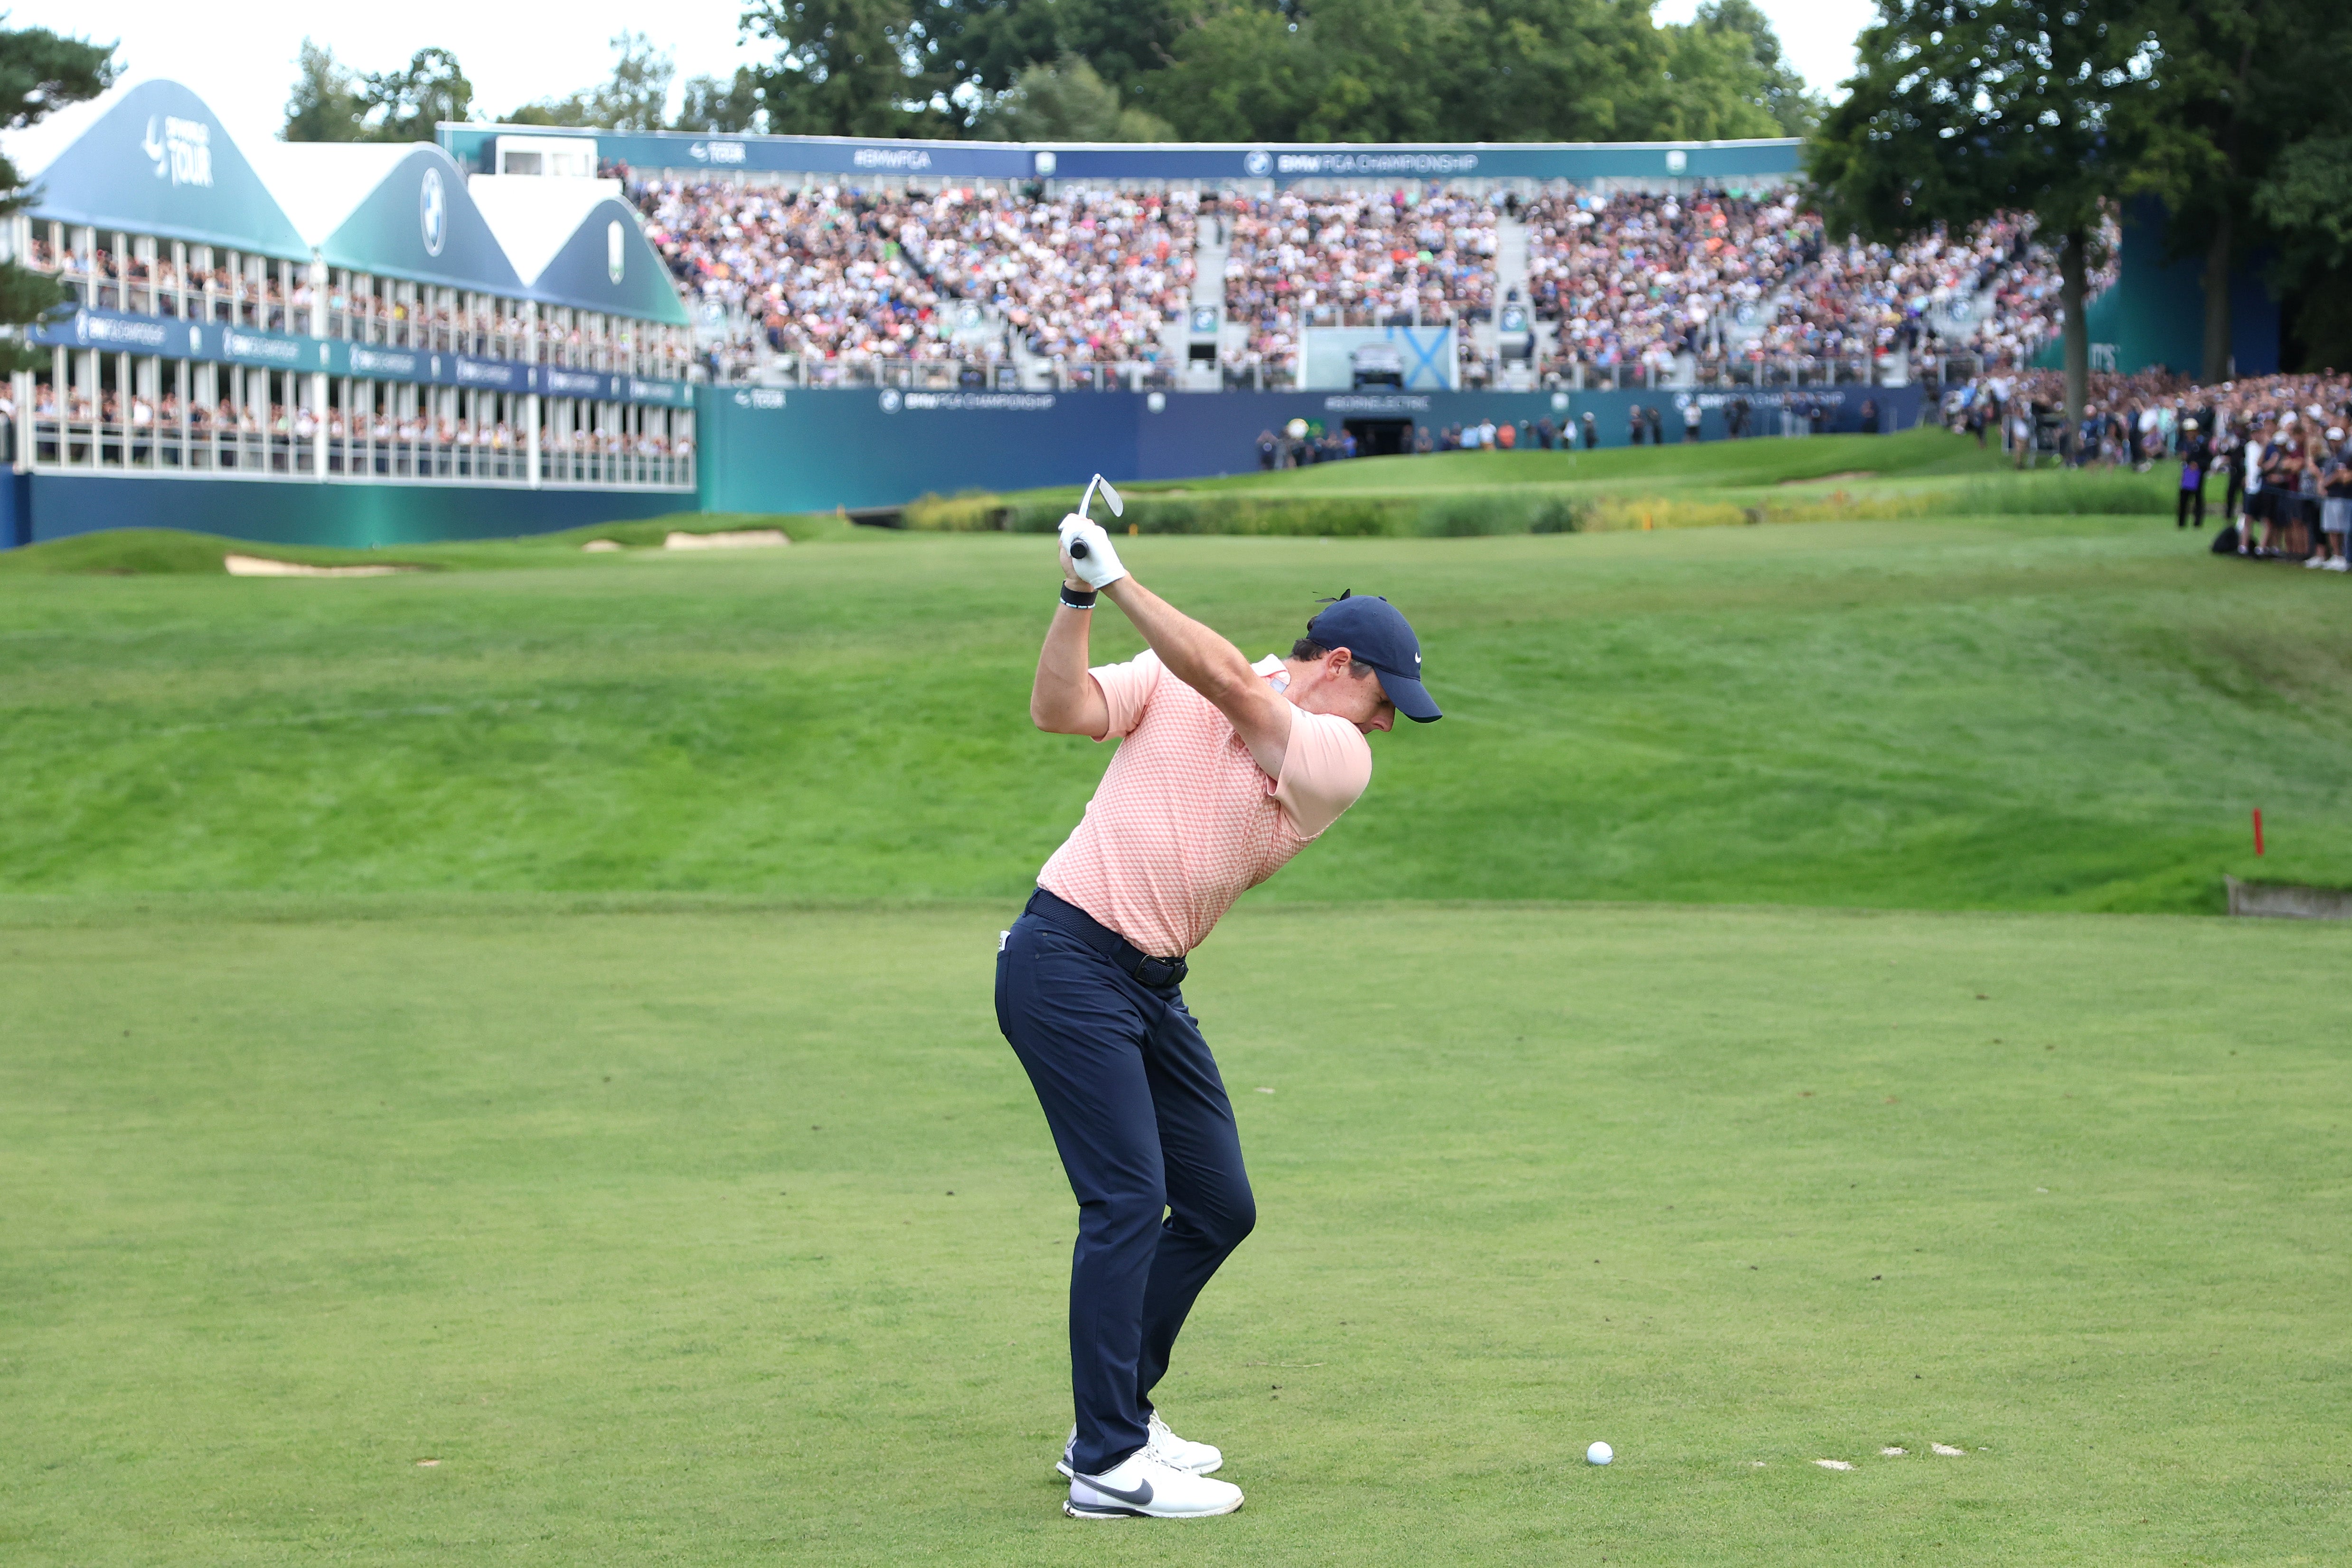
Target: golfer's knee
{"x": 1229, "y": 1220}
{"x": 1122, "y": 1216}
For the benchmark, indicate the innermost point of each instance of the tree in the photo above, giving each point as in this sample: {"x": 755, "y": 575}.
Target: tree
{"x": 1765, "y": 79}
{"x": 2305, "y": 204}
{"x": 863, "y": 67}
{"x": 40, "y": 72}
{"x": 405, "y": 105}
{"x": 706, "y": 103}
{"x": 636, "y": 97}
{"x": 1066, "y": 102}
{"x": 325, "y": 104}
{"x": 1965, "y": 109}
{"x": 2239, "y": 82}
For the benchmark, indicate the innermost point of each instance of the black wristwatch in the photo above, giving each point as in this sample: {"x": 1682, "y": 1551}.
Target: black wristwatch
{"x": 1074, "y": 600}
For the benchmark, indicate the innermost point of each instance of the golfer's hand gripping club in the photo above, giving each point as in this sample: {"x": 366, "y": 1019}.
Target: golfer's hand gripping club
{"x": 1088, "y": 553}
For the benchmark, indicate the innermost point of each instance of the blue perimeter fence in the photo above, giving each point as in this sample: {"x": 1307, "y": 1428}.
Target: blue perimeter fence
{"x": 789, "y": 450}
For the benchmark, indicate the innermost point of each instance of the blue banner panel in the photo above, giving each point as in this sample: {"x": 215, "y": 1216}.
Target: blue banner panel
{"x": 770, "y": 450}
{"x": 215, "y": 342}
{"x": 356, "y": 516}
{"x": 1717, "y": 163}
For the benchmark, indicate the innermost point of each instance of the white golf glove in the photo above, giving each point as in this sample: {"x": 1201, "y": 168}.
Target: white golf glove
{"x": 1098, "y": 567}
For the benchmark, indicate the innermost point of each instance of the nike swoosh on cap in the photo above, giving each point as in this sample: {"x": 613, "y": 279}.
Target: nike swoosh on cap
{"x": 1139, "y": 1497}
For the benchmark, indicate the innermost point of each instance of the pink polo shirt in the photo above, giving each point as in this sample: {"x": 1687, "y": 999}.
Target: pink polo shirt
{"x": 1184, "y": 821}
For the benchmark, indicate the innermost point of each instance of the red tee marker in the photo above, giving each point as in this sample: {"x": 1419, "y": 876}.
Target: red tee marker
{"x": 2258, "y": 829}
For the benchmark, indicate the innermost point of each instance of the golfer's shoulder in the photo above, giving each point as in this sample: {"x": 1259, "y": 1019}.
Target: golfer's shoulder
{"x": 1325, "y": 769}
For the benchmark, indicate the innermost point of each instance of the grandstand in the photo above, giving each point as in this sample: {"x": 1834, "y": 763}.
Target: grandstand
{"x": 277, "y": 337}
{"x": 897, "y": 271}
{"x": 526, "y": 328}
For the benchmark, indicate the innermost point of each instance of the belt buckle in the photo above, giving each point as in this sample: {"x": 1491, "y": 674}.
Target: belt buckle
{"x": 1160, "y": 973}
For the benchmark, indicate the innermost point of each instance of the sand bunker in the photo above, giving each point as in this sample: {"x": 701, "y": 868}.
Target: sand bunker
{"x": 600, "y": 547}
{"x": 1945, "y": 1450}
{"x": 742, "y": 538}
{"x": 262, "y": 566}
{"x": 1833, "y": 1464}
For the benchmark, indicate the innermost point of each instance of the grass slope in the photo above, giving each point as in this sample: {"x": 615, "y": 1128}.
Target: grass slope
{"x": 733, "y": 1236}
{"x": 1991, "y": 712}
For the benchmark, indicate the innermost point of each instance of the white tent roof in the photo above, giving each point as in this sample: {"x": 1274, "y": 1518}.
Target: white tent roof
{"x": 533, "y": 215}
{"x": 321, "y": 184}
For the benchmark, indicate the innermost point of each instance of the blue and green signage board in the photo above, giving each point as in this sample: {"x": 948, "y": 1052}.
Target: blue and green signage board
{"x": 218, "y": 343}
{"x": 1714, "y": 163}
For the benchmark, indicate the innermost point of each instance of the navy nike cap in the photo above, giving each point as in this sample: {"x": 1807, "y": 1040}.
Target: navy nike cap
{"x": 1376, "y": 631}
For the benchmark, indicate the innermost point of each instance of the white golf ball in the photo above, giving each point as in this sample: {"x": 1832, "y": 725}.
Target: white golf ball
{"x": 1599, "y": 1454}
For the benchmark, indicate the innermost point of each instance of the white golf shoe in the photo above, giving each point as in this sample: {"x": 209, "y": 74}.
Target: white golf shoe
{"x": 1140, "y": 1487}
{"x": 1163, "y": 1445}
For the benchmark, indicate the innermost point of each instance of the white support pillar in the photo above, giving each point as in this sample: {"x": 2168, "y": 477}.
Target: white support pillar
{"x": 531, "y": 404}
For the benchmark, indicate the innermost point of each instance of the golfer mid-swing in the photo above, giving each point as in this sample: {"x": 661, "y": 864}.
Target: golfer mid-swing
{"x": 1224, "y": 770}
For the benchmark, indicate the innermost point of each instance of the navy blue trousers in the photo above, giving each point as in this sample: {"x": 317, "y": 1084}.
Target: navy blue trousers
{"x": 1147, "y": 1135}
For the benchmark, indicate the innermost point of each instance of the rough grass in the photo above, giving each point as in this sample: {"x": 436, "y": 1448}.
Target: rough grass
{"x": 717, "y": 1235}
{"x": 2002, "y": 713}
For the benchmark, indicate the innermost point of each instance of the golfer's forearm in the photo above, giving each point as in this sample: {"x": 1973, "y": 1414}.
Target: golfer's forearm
{"x": 1059, "y": 700}
{"x": 1194, "y": 654}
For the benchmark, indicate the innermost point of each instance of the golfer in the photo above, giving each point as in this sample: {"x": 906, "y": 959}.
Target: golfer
{"x": 1226, "y": 769}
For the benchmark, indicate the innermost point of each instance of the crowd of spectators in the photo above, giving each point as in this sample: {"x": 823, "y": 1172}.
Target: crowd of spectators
{"x": 1100, "y": 275}
{"x": 2270, "y": 453}
{"x": 1364, "y": 258}
{"x": 1644, "y": 278}
{"x": 830, "y": 274}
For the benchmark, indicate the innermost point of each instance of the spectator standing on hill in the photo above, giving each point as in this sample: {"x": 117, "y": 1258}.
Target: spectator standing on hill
{"x": 1225, "y": 769}
{"x": 1547, "y": 434}
{"x": 2229, "y": 454}
{"x": 1691, "y": 417}
{"x": 1268, "y": 450}
{"x": 1870, "y": 416}
{"x": 1421, "y": 439}
{"x": 1655, "y": 418}
{"x": 1591, "y": 431}
{"x": 2193, "y": 459}
{"x": 2254, "y": 508}
{"x": 2335, "y": 505}
{"x": 1506, "y": 436}
{"x": 1633, "y": 425}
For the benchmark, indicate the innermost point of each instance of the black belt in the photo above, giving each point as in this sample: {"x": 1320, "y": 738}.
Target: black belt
{"x": 1159, "y": 973}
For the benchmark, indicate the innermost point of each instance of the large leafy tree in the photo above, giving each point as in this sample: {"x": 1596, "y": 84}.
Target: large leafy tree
{"x": 330, "y": 103}
{"x": 2241, "y": 82}
{"x": 325, "y": 104}
{"x": 865, "y": 68}
{"x": 40, "y": 72}
{"x": 1066, "y": 102}
{"x": 1965, "y": 109}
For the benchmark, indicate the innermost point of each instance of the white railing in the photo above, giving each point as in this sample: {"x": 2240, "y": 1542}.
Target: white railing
{"x": 57, "y": 445}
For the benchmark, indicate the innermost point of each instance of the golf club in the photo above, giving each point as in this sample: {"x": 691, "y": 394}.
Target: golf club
{"x": 1117, "y": 509}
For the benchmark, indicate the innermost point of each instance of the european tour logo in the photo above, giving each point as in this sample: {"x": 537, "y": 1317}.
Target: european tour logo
{"x": 183, "y": 152}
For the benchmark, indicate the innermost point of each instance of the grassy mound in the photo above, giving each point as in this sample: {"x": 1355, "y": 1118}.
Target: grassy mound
{"x": 1709, "y": 485}
{"x": 2006, "y": 712}
{"x": 144, "y": 552}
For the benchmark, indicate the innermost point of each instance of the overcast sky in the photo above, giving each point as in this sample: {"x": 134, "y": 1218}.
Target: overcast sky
{"x": 241, "y": 60}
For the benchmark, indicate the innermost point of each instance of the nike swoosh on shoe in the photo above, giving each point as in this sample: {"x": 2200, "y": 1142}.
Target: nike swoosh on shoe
{"x": 1139, "y": 1497}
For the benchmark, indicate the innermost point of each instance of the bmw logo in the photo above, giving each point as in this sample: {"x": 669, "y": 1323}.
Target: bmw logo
{"x": 891, "y": 400}
{"x": 195, "y": 339}
{"x": 433, "y": 212}
{"x": 1257, "y": 164}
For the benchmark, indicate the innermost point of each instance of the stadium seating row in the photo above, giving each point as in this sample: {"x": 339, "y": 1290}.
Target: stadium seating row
{"x": 1103, "y": 275}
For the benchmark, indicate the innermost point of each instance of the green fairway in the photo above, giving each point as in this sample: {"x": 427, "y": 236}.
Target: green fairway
{"x": 2013, "y": 712}
{"x": 719, "y": 1234}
